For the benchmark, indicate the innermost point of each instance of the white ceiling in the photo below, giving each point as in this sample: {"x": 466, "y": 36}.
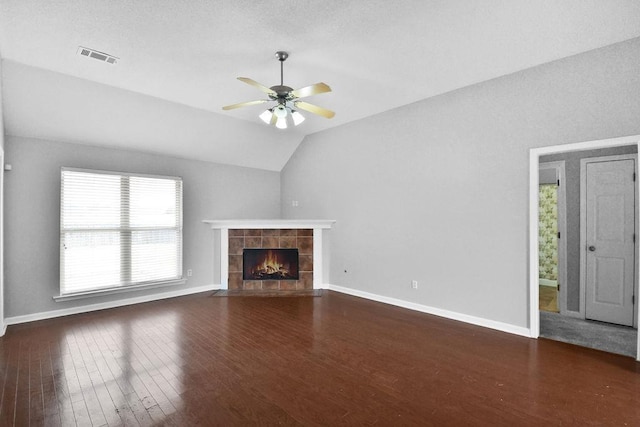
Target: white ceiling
{"x": 376, "y": 55}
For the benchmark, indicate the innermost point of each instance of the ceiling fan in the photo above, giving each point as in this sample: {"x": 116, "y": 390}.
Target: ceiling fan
{"x": 286, "y": 110}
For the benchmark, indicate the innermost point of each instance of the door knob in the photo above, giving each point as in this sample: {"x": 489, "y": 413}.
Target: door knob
{"x": 592, "y": 248}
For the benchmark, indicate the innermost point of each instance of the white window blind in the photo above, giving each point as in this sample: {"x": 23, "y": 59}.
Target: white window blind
{"x": 118, "y": 230}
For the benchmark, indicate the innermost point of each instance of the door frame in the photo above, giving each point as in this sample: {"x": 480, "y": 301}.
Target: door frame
{"x": 559, "y": 167}
{"x": 583, "y": 228}
{"x": 534, "y": 165}
{"x": 3, "y": 326}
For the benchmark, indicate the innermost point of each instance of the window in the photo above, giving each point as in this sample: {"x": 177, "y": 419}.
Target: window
{"x": 118, "y": 230}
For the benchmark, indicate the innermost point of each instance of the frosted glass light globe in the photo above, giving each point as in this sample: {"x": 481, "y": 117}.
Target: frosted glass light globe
{"x": 281, "y": 123}
{"x": 297, "y": 118}
{"x": 280, "y": 111}
{"x": 266, "y": 116}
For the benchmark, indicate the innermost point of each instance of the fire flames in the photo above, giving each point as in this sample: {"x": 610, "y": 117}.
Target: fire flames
{"x": 271, "y": 266}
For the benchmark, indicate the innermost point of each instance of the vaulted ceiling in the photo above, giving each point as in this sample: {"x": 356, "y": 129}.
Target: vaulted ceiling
{"x": 178, "y": 63}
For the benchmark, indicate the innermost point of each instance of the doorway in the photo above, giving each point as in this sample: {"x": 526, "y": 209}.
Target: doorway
{"x": 552, "y": 240}
{"x": 574, "y": 306}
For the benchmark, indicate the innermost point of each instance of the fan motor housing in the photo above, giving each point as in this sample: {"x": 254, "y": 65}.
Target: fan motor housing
{"x": 282, "y": 92}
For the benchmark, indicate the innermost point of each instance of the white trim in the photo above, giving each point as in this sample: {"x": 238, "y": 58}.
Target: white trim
{"x": 269, "y": 223}
{"x": 105, "y": 305}
{"x": 478, "y": 321}
{"x": 118, "y": 290}
{"x": 318, "y": 279}
{"x": 224, "y": 258}
{"x": 3, "y": 325}
{"x": 534, "y": 257}
{"x": 547, "y": 282}
{"x": 120, "y": 173}
{"x": 534, "y": 158}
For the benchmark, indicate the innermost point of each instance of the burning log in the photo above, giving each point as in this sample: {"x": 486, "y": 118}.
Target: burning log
{"x": 270, "y": 264}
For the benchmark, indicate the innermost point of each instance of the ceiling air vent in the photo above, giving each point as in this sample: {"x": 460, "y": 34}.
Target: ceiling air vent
{"x": 100, "y": 56}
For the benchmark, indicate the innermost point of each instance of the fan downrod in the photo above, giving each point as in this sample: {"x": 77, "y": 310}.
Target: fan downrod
{"x": 282, "y": 92}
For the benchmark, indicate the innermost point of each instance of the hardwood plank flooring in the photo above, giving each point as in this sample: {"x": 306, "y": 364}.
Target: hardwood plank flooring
{"x": 334, "y": 360}
{"x": 548, "y": 297}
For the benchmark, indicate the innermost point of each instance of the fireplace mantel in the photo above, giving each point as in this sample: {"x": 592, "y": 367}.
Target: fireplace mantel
{"x": 221, "y": 243}
{"x": 270, "y": 223}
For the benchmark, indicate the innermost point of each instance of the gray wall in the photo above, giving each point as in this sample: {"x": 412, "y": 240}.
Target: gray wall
{"x": 437, "y": 191}
{"x": 32, "y": 213}
{"x": 572, "y": 182}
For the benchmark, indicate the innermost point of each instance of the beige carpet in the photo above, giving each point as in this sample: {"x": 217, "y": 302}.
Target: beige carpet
{"x": 588, "y": 333}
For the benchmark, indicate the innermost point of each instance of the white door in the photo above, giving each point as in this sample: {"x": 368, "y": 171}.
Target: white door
{"x": 610, "y": 247}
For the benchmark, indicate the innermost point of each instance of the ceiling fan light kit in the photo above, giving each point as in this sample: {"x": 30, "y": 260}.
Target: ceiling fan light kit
{"x": 285, "y": 113}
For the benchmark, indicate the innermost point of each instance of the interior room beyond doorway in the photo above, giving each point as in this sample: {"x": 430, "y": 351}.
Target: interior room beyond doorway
{"x": 571, "y": 155}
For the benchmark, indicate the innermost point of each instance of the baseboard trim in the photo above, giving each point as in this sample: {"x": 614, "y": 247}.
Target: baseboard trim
{"x": 547, "y": 282}
{"x": 105, "y": 305}
{"x": 478, "y": 321}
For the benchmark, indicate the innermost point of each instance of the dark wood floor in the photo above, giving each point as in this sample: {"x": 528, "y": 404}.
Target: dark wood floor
{"x": 332, "y": 360}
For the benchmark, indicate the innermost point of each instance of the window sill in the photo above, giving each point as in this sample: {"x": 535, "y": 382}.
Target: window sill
{"x": 118, "y": 290}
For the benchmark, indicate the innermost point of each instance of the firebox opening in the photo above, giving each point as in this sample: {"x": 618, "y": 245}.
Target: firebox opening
{"x": 270, "y": 264}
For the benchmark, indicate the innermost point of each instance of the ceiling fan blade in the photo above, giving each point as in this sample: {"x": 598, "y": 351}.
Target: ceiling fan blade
{"x": 315, "y": 109}
{"x": 311, "y": 90}
{"x": 254, "y": 83}
{"x": 244, "y": 104}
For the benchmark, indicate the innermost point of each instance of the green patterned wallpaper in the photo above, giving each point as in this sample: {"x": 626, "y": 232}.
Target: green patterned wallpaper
{"x": 548, "y": 229}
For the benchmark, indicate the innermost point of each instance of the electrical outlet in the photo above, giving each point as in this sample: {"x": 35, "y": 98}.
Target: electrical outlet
{"x": 414, "y": 284}
{"x": 189, "y": 272}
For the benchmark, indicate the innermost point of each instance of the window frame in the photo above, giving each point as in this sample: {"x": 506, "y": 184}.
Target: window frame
{"x": 125, "y": 228}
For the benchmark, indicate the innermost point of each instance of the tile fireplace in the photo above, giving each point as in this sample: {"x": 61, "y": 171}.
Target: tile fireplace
{"x": 282, "y": 247}
{"x": 250, "y": 247}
